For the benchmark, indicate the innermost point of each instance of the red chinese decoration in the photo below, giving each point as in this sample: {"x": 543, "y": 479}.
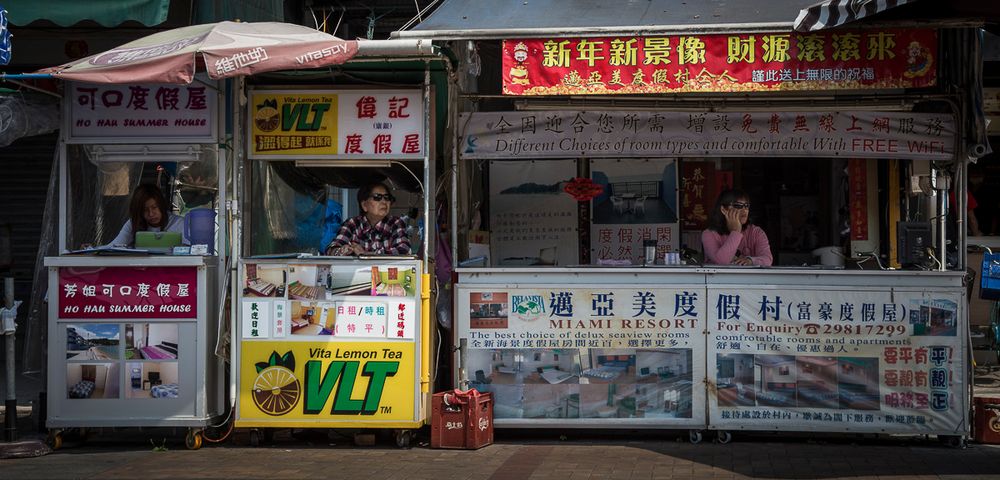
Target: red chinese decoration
{"x": 583, "y": 189}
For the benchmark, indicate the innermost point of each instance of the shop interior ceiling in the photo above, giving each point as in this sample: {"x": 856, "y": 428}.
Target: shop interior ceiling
{"x": 369, "y": 19}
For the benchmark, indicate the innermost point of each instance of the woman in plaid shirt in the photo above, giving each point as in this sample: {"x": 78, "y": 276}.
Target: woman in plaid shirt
{"x": 374, "y": 231}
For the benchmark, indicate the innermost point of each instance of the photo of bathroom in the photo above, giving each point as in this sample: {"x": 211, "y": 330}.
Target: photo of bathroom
{"x": 584, "y": 383}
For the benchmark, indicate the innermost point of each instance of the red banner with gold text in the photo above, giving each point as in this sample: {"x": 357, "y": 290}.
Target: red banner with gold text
{"x": 847, "y": 59}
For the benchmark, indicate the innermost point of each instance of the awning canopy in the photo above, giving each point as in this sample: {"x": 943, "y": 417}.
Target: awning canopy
{"x": 833, "y": 13}
{"x": 497, "y": 19}
{"x": 108, "y": 13}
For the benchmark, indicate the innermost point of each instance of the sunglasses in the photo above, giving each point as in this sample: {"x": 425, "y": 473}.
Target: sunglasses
{"x": 378, "y": 197}
{"x": 740, "y": 206}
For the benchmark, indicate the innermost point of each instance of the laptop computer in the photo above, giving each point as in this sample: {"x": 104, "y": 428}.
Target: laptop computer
{"x": 157, "y": 241}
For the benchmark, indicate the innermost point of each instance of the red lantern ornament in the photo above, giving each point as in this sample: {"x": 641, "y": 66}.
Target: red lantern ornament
{"x": 583, "y": 189}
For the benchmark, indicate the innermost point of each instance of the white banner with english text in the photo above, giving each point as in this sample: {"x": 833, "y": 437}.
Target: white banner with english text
{"x": 552, "y": 134}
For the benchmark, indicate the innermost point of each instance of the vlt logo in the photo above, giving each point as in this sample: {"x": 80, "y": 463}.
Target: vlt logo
{"x": 303, "y": 116}
{"x": 276, "y": 390}
{"x": 527, "y": 307}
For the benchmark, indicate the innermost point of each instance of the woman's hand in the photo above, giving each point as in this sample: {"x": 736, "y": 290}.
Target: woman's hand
{"x": 744, "y": 261}
{"x": 732, "y": 219}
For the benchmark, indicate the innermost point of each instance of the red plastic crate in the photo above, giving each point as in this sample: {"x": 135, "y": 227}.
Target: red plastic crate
{"x": 987, "y": 425}
{"x": 462, "y": 420}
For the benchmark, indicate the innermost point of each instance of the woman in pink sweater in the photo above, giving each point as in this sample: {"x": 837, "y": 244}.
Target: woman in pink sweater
{"x": 730, "y": 238}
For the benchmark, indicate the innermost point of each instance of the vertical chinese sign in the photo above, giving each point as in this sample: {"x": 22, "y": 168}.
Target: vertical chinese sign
{"x": 857, "y": 174}
{"x": 154, "y": 112}
{"x": 697, "y": 194}
{"x": 344, "y": 124}
{"x": 777, "y": 61}
{"x": 571, "y": 355}
{"x": 847, "y": 360}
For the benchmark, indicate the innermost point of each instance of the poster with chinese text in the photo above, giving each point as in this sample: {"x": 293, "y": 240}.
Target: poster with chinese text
{"x": 638, "y": 203}
{"x": 573, "y": 355}
{"x": 873, "y": 360}
{"x": 533, "y": 221}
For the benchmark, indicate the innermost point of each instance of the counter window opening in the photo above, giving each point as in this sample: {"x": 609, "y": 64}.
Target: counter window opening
{"x": 298, "y": 207}
{"x": 103, "y": 181}
{"x": 815, "y": 212}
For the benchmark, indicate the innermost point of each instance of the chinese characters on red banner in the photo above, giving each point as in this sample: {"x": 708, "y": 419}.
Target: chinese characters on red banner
{"x": 851, "y": 59}
{"x": 128, "y": 292}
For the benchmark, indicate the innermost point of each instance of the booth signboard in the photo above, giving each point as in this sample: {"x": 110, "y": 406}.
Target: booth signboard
{"x": 879, "y": 58}
{"x": 576, "y": 355}
{"x": 869, "y": 360}
{"x": 618, "y": 134}
{"x": 328, "y": 343}
{"x": 128, "y": 292}
{"x": 331, "y": 124}
{"x": 150, "y": 113}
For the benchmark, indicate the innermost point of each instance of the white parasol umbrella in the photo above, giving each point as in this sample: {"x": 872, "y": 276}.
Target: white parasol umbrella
{"x": 228, "y": 49}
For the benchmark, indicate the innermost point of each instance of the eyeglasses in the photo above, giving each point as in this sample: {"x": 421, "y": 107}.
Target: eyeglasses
{"x": 740, "y": 206}
{"x": 378, "y": 197}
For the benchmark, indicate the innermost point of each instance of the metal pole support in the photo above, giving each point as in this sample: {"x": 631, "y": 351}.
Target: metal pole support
{"x": 10, "y": 404}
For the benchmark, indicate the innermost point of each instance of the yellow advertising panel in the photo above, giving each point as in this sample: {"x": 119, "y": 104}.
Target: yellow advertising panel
{"x": 312, "y": 383}
{"x": 293, "y": 123}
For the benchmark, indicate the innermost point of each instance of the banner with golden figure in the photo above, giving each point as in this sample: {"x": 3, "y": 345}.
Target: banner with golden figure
{"x": 777, "y": 61}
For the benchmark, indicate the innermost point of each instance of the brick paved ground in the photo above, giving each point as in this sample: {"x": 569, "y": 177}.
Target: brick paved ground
{"x": 534, "y": 455}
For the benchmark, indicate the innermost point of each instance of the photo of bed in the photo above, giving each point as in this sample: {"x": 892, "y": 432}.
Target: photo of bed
{"x": 151, "y": 341}
{"x": 734, "y": 377}
{"x": 817, "y": 382}
{"x": 92, "y": 381}
{"x": 584, "y": 383}
{"x": 92, "y": 341}
{"x": 305, "y": 318}
{"x": 264, "y": 281}
{"x": 775, "y": 378}
{"x": 152, "y": 380}
{"x": 304, "y": 283}
{"x": 857, "y": 381}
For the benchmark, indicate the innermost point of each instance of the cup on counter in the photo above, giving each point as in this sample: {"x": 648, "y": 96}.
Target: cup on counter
{"x": 649, "y": 252}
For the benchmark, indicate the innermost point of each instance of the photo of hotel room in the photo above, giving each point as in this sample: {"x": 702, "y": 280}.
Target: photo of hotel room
{"x": 92, "y": 380}
{"x": 584, "y": 383}
{"x": 151, "y": 341}
{"x": 775, "y": 380}
{"x": 488, "y": 310}
{"x": 306, "y": 318}
{"x": 304, "y": 284}
{"x": 152, "y": 380}
{"x": 264, "y": 281}
{"x": 936, "y": 319}
{"x": 858, "y": 383}
{"x": 346, "y": 281}
{"x": 816, "y": 384}
{"x": 734, "y": 376}
{"x": 528, "y": 383}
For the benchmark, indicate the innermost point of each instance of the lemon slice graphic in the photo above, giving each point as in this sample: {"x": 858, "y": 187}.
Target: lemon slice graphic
{"x": 276, "y": 390}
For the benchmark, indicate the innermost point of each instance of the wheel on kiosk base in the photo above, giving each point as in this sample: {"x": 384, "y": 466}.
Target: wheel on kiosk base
{"x": 723, "y": 436}
{"x": 695, "y": 436}
{"x": 256, "y": 437}
{"x": 404, "y": 438}
{"x": 193, "y": 440}
{"x": 55, "y": 439}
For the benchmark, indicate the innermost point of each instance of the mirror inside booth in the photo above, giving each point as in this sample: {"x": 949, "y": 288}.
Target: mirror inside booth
{"x": 302, "y": 207}
{"x": 159, "y": 199}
